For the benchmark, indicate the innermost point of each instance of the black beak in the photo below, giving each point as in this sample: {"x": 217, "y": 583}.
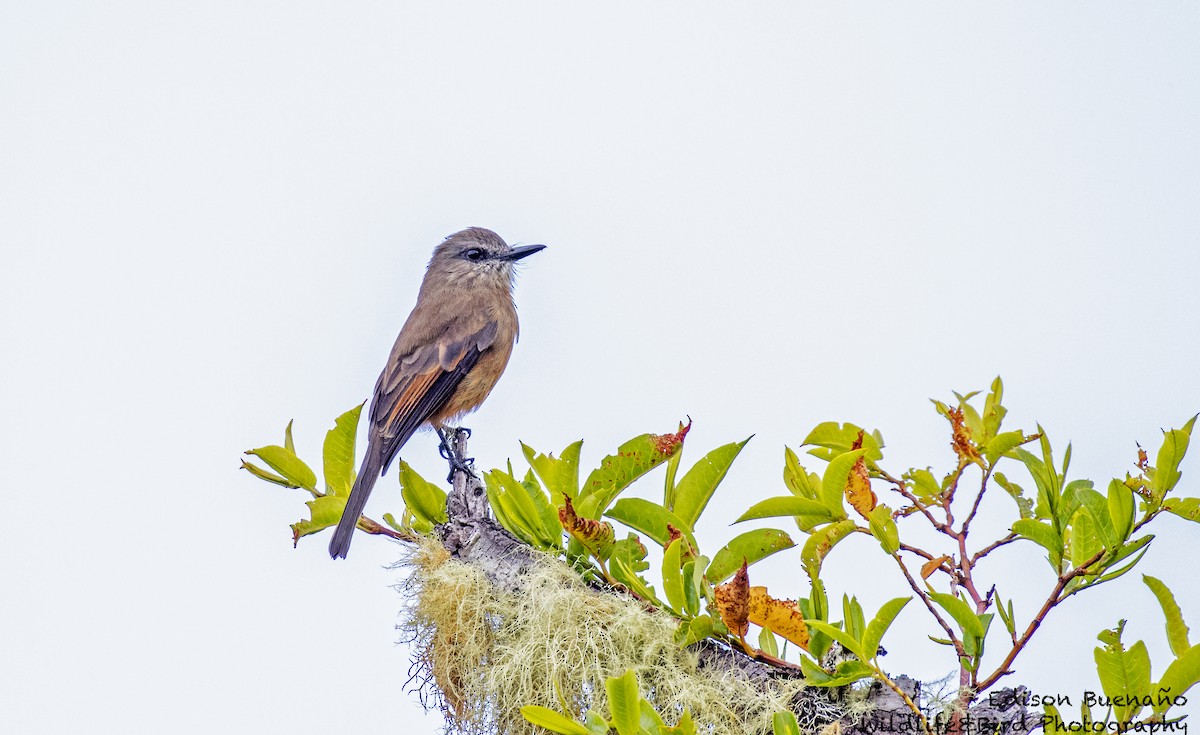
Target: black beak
{"x": 523, "y": 251}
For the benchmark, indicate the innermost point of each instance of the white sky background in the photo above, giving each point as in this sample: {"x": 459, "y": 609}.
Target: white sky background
{"x": 215, "y": 218}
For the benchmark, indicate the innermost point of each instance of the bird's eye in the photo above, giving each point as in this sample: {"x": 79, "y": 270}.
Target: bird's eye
{"x": 473, "y": 254}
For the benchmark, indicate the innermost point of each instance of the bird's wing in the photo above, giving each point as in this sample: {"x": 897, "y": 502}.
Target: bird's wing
{"x": 415, "y": 385}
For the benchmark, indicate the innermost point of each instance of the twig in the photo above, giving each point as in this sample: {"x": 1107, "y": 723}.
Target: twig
{"x": 958, "y": 646}
{"x": 378, "y": 529}
{"x": 992, "y": 547}
{"x": 1047, "y": 606}
{"x": 978, "y": 499}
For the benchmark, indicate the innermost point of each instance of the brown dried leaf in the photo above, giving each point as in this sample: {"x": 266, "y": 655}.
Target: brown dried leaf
{"x": 733, "y": 602}
{"x": 931, "y": 566}
{"x": 961, "y": 441}
{"x": 778, "y": 616}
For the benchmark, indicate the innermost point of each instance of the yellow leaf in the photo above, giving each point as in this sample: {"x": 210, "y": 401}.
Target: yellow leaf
{"x": 778, "y": 616}
{"x": 932, "y": 565}
{"x": 858, "y": 489}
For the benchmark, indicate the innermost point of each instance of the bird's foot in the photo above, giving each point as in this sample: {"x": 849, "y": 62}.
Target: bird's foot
{"x": 447, "y": 450}
{"x": 466, "y": 465}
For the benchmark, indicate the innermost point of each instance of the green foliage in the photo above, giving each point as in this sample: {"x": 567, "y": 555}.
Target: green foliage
{"x": 1089, "y": 538}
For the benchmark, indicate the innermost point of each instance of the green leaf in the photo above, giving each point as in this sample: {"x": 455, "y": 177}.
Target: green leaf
{"x": 1124, "y": 674}
{"x": 1166, "y": 468}
{"x": 993, "y": 412}
{"x": 1188, "y": 508}
{"x": 787, "y": 505}
{"x": 1180, "y": 676}
{"x": 1084, "y": 539}
{"x": 520, "y": 508}
{"x": 649, "y": 722}
{"x": 971, "y": 418}
{"x": 499, "y": 509}
{"x": 848, "y": 642}
{"x": 833, "y": 482}
{"x": 651, "y": 519}
{"x": 853, "y": 620}
{"x": 883, "y": 528}
{"x": 596, "y": 724}
{"x": 617, "y": 471}
{"x": 749, "y": 547}
{"x": 624, "y": 703}
{"x": 1096, "y": 506}
{"x": 338, "y": 452}
{"x": 289, "y": 443}
{"x": 1017, "y": 493}
{"x": 767, "y": 643}
{"x": 850, "y": 671}
{"x": 262, "y": 474}
{"x": 968, "y": 621}
{"x": 426, "y": 500}
{"x": 784, "y": 723}
{"x": 693, "y": 580}
{"x": 686, "y": 726}
{"x": 1044, "y": 535}
{"x": 1120, "y": 510}
{"x": 923, "y": 484}
{"x": 880, "y": 624}
{"x": 325, "y": 511}
{"x": 672, "y": 572}
{"x": 821, "y": 542}
{"x": 1177, "y": 630}
{"x": 286, "y": 463}
{"x": 800, "y": 482}
{"x": 551, "y": 525}
{"x": 1002, "y": 444}
{"x": 626, "y": 563}
{"x": 1071, "y": 501}
{"x": 835, "y": 440}
{"x": 550, "y": 720}
{"x": 559, "y": 474}
{"x": 692, "y": 493}
{"x": 1049, "y": 482}
{"x": 814, "y": 675}
{"x": 1006, "y": 615}
{"x": 694, "y": 630}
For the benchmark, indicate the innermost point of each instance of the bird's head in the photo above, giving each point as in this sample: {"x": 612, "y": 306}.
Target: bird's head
{"x": 477, "y": 258}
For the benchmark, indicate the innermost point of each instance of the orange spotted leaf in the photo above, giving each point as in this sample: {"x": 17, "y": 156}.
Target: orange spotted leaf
{"x": 778, "y": 616}
{"x": 733, "y": 602}
{"x": 858, "y": 489}
{"x": 596, "y": 536}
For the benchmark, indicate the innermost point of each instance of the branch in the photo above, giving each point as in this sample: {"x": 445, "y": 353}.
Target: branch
{"x": 1047, "y": 606}
{"x": 989, "y": 549}
{"x": 978, "y": 499}
{"x": 958, "y": 646}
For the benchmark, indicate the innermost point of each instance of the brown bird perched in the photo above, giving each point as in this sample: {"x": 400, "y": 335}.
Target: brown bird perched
{"x": 447, "y": 359}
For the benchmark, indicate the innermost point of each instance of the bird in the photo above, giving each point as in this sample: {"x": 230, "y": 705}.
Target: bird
{"x": 449, "y": 355}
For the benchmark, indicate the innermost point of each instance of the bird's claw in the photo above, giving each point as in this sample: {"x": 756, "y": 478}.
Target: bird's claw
{"x": 467, "y": 466}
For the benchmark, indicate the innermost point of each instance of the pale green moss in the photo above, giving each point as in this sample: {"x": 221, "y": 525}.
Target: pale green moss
{"x": 488, "y": 653}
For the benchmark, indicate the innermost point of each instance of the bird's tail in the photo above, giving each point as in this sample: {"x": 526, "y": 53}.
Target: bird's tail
{"x": 367, "y": 475}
